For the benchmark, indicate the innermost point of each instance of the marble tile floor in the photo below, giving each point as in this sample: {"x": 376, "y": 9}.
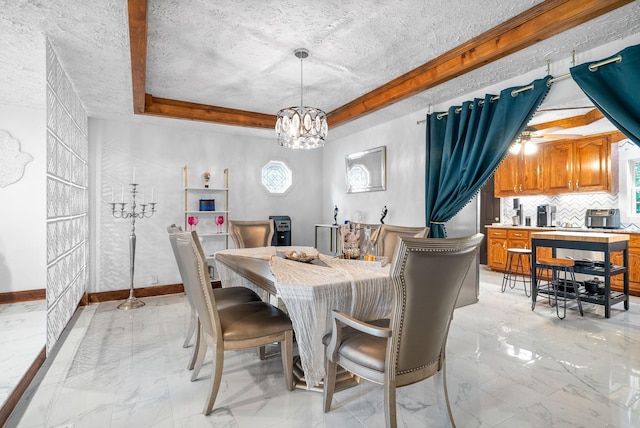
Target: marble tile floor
{"x": 508, "y": 366}
{"x": 22, "y": 335}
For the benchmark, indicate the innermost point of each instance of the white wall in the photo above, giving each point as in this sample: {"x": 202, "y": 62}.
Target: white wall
{"x": 159, "y": 152}
{"x": 405, "y": 143}
{"x": 404, "y": 197}
{"x": 23, "y": 206}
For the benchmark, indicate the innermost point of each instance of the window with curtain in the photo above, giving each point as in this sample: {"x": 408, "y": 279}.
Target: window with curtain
{"x": 635, "y": 190}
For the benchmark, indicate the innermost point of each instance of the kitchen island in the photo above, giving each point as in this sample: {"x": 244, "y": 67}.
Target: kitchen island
{"x": 606, "y": 243}
{"x": 503, "y": 236}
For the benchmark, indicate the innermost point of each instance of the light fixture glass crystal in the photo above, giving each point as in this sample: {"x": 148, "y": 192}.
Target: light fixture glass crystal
{"x": 301, "y": 127}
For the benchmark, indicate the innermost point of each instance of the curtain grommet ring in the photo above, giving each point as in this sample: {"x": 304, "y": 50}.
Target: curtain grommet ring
{"x": 594, "y": 67}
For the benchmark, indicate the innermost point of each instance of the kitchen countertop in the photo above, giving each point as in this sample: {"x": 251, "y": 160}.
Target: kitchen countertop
{"x": 590, "y": 236}
{"x": 563, "y": 229}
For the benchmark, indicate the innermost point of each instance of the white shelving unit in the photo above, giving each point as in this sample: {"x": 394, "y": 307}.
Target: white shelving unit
{"x": 207, "y": 229}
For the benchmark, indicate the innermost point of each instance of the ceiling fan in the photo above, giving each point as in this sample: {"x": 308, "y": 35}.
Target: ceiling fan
{"x": 546, "y": 134}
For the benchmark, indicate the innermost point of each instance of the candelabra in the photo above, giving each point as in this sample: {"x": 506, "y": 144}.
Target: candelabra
{"x": 132, "y": 302}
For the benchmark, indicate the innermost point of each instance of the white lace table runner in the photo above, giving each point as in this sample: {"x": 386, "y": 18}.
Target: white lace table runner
{"x": 311, "y": 291}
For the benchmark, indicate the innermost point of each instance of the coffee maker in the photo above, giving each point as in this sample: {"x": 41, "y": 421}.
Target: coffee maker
{"x": 517, "y": 219}
{"x": 546, "y": 215}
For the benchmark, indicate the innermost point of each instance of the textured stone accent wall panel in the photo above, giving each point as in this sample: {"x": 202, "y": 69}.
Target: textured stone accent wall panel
{"x": 67, "y": 199}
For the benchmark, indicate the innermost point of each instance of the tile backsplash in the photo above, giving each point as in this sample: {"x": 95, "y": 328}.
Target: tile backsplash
{"x": 570, "y": 208}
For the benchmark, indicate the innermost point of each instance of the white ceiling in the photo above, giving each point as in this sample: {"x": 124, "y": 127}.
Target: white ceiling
{"x": 239, "y": 54}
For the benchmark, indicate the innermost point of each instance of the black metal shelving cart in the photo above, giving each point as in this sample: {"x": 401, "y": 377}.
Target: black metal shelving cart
{"x": 605, "y": 243}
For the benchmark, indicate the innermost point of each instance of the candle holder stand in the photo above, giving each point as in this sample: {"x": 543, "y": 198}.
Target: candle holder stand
{"x": 132, "y": 302}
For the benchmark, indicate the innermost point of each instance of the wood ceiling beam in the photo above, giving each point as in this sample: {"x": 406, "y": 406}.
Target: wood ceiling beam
{"x": 192, "y": 111}
{"x": 538, "y": 23}
{"x": 570, "y": 122}
{"x": 138, "y": 47}
{"x": 542, "y": 21}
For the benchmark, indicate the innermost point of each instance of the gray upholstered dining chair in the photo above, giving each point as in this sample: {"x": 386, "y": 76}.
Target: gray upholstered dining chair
{"x": 224, "y": 297}
{"x": 386, "y": 235}
{"x": 251, "y": 234}
{"x": 241, "y": 326}
{"x": 427, "y": 274}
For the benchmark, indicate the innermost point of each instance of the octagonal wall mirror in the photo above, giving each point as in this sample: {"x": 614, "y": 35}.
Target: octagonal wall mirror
{"x": 367, "y": 171}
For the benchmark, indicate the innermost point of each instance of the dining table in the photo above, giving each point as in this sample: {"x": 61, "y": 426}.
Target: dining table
{"x": 310, "y": 290}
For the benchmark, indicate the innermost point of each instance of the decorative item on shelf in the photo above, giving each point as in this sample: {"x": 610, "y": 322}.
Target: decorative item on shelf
{"x": 383, "y": 214}
{"x": 207, "y": 205}
{"x": 206, "y": 177}
{"x": 335, "y": 216}
{"x": 301, "y": 127}
{"x": 132, "y": 302}
{"x": 220, "y": 222}
{"x": 193, "y": 221}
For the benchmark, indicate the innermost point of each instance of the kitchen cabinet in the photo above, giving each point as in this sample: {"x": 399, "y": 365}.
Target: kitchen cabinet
{"x": 496, "y": 248}
{"x": 519, "y": 238}
{"x": 499, "y": 240}
{"x": 558, "y": 167}
{"x": 519, "y": 174}
{"x": 586, "y": 164}
{"x": 578, "y": 166}
{"x": 634, "y": 267}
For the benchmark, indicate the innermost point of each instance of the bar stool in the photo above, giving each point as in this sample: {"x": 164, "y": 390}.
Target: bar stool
{"x": 556, "y": 265}
{"x": 511, "y": 278}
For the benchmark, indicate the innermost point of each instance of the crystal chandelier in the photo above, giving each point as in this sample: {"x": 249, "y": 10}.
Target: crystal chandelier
{"x": 301, "y": 127}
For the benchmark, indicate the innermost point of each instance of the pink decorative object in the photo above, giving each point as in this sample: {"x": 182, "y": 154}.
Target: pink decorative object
{"x": 220, "y": 222}
{"x": 193, "y": 221}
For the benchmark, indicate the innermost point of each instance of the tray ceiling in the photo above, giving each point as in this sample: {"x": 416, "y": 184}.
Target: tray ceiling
{"x": 240, "y": 54}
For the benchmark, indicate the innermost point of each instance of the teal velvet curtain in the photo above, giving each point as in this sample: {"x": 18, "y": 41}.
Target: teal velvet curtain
{"x": 615, "y": 89}
{"x": 466, "y": 146}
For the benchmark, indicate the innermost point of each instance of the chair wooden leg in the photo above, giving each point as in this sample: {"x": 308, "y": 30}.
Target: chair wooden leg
{"x": 262, "y": 352}
{"x": 196, "y": 347}
{"x": 440, "y": 383}
{"x": 202, "y": 352}
{"x": 191, "y": 329}
{"x": 329, "y": 384}
{"x": 390, "y": 404}
{"x": 216, "y": 377}
{"x": 286, "y": 349}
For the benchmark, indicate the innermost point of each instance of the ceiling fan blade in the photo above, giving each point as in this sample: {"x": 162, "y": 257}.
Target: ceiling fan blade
{"x": 547, "y": 131}
{"x": 564, "y": 108}
{"x": 563, "y": 136}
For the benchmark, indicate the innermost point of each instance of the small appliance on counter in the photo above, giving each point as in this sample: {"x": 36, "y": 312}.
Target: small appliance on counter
{"x": 517, "y": 219}
{"x": 546, "y": 215}
{"x": 602, "y": 218}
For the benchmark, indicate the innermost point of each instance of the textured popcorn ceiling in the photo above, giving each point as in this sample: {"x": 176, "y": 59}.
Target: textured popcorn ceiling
{"x": 239, "y": 54}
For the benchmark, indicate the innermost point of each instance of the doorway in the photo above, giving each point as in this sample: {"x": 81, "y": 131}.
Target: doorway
{"x": 489, "y": 213}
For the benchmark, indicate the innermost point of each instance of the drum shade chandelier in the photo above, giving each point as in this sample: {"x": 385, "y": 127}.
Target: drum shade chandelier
{"x": 301, "y": 127}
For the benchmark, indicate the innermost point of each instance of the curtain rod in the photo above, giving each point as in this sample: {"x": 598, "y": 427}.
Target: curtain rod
{"x": 592, "y": 67}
